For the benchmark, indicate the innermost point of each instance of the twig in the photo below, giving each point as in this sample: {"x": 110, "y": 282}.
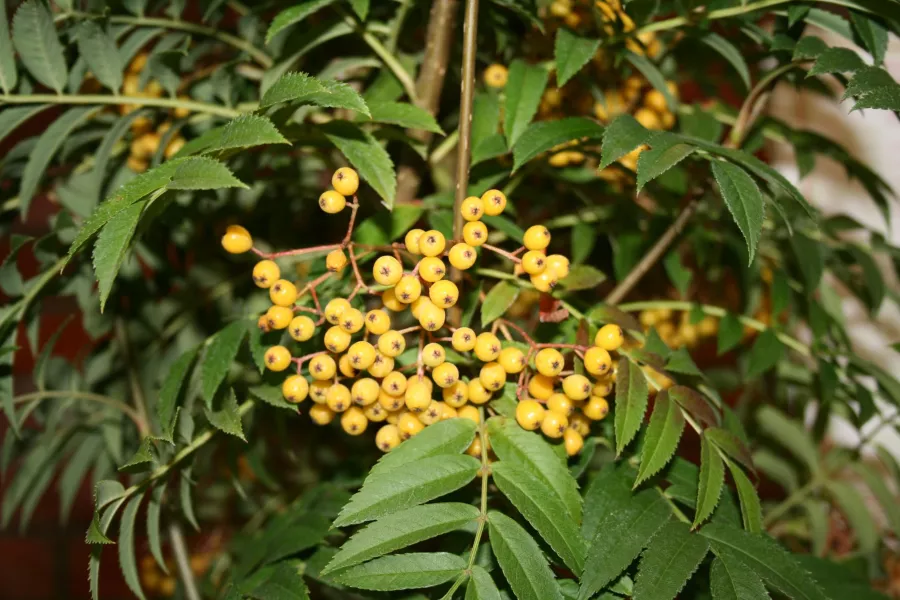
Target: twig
{"x": 354, "y": 206}
{"x": 183, "y": 561}
{"x": 466, "y": 97}
{"x": 295, "y": 251}
{"x": 503, "y": 253}
{"x": 88, "y": 396}
{"x": 198, "y": 107}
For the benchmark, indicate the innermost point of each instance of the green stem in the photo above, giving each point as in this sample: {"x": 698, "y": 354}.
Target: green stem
{"x": 137, "y": 394}
{"x": 798, "y": 496}
{"x": 723, "y": 13}
{"x": 199, "y": 107}
{"x": 397, "y": 25}
{"x": 390, "y": 61}
{"x": 88, "y": 396}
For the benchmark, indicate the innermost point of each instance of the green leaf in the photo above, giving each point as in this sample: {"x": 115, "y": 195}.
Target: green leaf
{"x": 744, "y": 201}
{"x": 367, "y": 156}
{"x": 485, "y": 117}
{"x": 790, "y": 434}
{"x": 652, "y": 74}
{"x": 730, "y": 444}
{"x": 481, "y": 586}
{"x": 608, "y": 490}
{"x": 680, "y": 361}
{"x": 497, "y": 302}
{"x": 866, "y": 80}
{"x": 730, "y": 53}
{"x": 73, "y": 474}
{"x": 712, "y": 478}
{"x": 572, "y": 53}
{"x": 872, "y": 34}
{"x": 142, "y": 460}
{"x": 34, "y": 35}
{"x": 154, "y": 508}
{"x": 542, "y": 509}
{"x": 282, "y": 581}
{"x": 631, "y": 402}
{"x": 582, "y": 277}
{"x": 452, "y": 436}
{"x": 9, "y": 75}
{"x": 809, "y": 47}
{"x": 665, "y": 152}
{"x": 112, "y": 245}
{"x": 228, "y": 418}
{"x": 544, "y": 135}
{"x": 405, "y": 115}
{"x": 529, "y": 451}
{"x": 220, "y": 353}
{"x": 127, "y": 560}
{"x": 246, "y": 131}
{"x": 403, "y": 571}
{"x": 423, "y": 480}
{"x": 670, "y": 560}
{"x": 661, "y": 440}
{"x": 524, "y": 89}
{"x": 764, "y": 556}
{"x": 46, "y": 148}
{"x": 100, "y": 53}
{"x": 622, "y": 533}
{"x": 751, "y": 511}
{"x": 490, "y": 147}
{"x": 857, "y": 513}
{"x": 731, "y": 332}
{"x": 12, "y": 118}
{"x": 166, "y": 407}
{"x": 203, "y": 173}
{"x": 384, "y": 227}
{"x": 765, "y": 354}
{"x": 583, "y": 241}
{"x": 361, "y": 8}
{"x": 95, "y": 534}
{"x": 836, "y": 60}
{"x": 695, "y": 404}
{"x": 400, "y": 530}
{"x": 521, "y": 560}
{"x": 731, "y": 579}
{"x": 622, "y": 136}
{"x": 875, "y": 482}
{"x": 271, "y": 395}
{"x": 293, "y": 15}
{"x": 302, "y": 88}
{"x": 677, "y": 272}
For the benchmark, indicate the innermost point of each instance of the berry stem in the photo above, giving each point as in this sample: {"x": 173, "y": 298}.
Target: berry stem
{"x": 296, "y": 251}
{"x": 302, "y": 359}
{"x": 528, "y": 339}
{"x": 410, "y": 329}
{"x": 503, "y": 253}
{"x": 299, "y": 308}
{"x": 359, "y": 279}
{"x": 354, "y": 206}
{"x": 420, "y": 364}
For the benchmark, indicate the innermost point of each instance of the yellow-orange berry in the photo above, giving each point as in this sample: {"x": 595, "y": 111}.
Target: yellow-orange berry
{"x": 554, "y": 424}
{"x": 262, "y": 324}
{"x": 573, "y": 441}
{"x": 338, "y": 398}
{"x": 345, "y": 181}
{"x": 283, "y": 293}
{"x": 417, "y": 396}
{"x": 335, "y": 308}
{"x": 377, "y": 321}
{"x": 549, "y": 362}
{"x": 346, "y": 367}
{"x": 412, "y": 240}
{"x": 389, "y": 402}
{"x": 387, "y": 438}
{"x": 602, "y": 388}
{"x": 456, "y": 395}
{"x": 478, "y": 393}
{"x": 469, "y": 412}
{"x": 475, "y": 233}
{"x": 597, "y": 361}
{"x": 577, "y": 387}
{"x": 448, "y": 412}
{"x": 432, "y": 414}
{"x": 492, "y": 376}
{"x": 332, "y": 202}
{"x": 362, "y": 355}
{"x": 431, "y": 317}
{"x": 432, "y": 269}
{"x": 462, "y": 256}
{"x": 278, "y": 317}
{"x": 534, "y": 262}
{"x": 445, "y": 375}
{"x": 610, "y": 337}
{"x": 537, "y": 237}
{"x": 432, "y": 243}
{"x": 236, "y": 240}
{"x": 295, "y": 389}
{"x": 265, "y": 273}
{"x": 375, "y": 413}
{"x": 277, "y": 358}
{"x": 364, "y": 391}
{"x": 408, "y": 289}
{"x": 560, "y": 403}
{"x": 391, "y": 302}
{"x": 381, "y": 366}
{"x": 322, "y": 367}
{"x": 475, "y": 448}
{"x": 530, "y": 414}
{"x": 545, "y": 281}
{"x": 387, "y": 270}
{"x": 394, "y": 383}
{"x": 580, "y": 423}
{"x": 494, "y": 202}
{"x": 409, "y": 425}
{"x": 301, "y": 328}
{"x": 495, "y": 76}
{"x": 512, "y": 359}
{"x": 558, "y": 266}
{"x": 417, "y": 305}
{"x": 463, "y": 339}
{"x": 472, "y": 208}
{"x": 392, "y": 343}
{"x": 596, "y": 408}
{"x": 433, "y": 354}
{"x": 487, "y": 347}
{"x": 541, "y": 386}
{"x": 336, "y": 260}
{"x": 352, "y": 320}
{"x": 321, "y": 414}
{"x": 336, "y": 339}
{"x": 444, "y": 293}
{"x": 354, "y": 421}
{"x": 318, "y": 390}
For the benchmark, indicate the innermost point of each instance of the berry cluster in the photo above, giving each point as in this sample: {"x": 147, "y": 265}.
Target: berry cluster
{"x": 360, "y": 374}
{"x": 678, "y": 331}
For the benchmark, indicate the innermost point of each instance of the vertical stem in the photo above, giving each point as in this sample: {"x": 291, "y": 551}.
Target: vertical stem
{"x": 182, "y": 560}
{"x": 137, "y": 394}
{"x": 467, "y": 92}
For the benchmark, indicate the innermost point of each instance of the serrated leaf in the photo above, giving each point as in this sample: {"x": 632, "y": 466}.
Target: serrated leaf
{"x": 220, "y": 353}
{"x": 497, "y": 302}
{"x": 661, "y": 440}
{"x": 874, "y": 480}
{"x": 731, "y": 332}
{"x": 490, "y": 147}
{"x": 622, "y": 136}
{"x": 227, "y": 418}
{"x": 571, "y": 53}
{"x": 730, "y": 53}
{"x": 744, "y": 201}
{"x": 604, "y": 313}
{"x": 272, "y": 395}
{"x": 695, "y": 404}
{"x": 521, "y": 560}
{"x": 481, "y": 585}
{"x": 872, "y": 34}
{"x": 403, "y": 571}
{"x": 107, "y": 491}
{"x": 34, "y": 36}
{"x": 283, "y": 581}
{"x": 542, "y": 509}
{"x": 451, "y": 436}
{"x": 731, "y": 445}
{"x": 622, "y": 533}
{"x": 400, "y": 530}
{"x": 731, "y": 579}
{"x": 293, "y": 15}
{"x": 405, "y": 115}
{"x": 203, "y": 173}
{"x": 866, "y": 80}
{"x": 302, "y": 88}
{"x": 423, "y": 480}
{"x": 665, "y": 152}
{"x": 712, "y": 478}
{"x": 246, "y": 131}
{"x": 367, "y": 156}
{"x": 544, "y": 135}
{"x": 95, "y": 534}
{"x": 858, "y": 515}
{"x": 751, "y": 511}
{"x": 9, "y": 74}
{"x": 836, "y": 60}
{"x": 668, "y": 563}
{"x": 524, "y": 89}
{"x": 790, "y": 434}
{"x": 384, "y": 227}
{"x": 73, "y": 475}
{"x": 171, "y": 388}
{"x": 12, "y": 118}
{"x": 361, "y": 8}
{"x": 652, "y": 74}
{"x": 99, "y": 51}
{"x": 154, "y": 508}
{"x": 112, "y": 246}
{"x": 764, "y": 354}
{"x": 582, "y": 277}
{"x": 680, "y": 361}
{"x": 127, "y": 561}
{"x": 631, "y": 402}
{"x": 809, "y": 47}
{"x": 142, "y": 459}
{"x": 485, "y": 117}
{"x": 528, "y": 450}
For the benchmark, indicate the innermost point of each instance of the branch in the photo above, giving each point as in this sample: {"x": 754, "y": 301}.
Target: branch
{"x": 198, "y": 107}
{"x": 467, "y": 93}
{"x": 183, "y": 561}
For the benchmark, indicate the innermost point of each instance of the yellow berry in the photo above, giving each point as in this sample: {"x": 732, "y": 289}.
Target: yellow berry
{"x": 463, "y": 339}
{"x": 408, "y": 289}
{"x": 558, "y": 266}
{"x": 375, "y": 413}
{"x": 549, "y": 362}
{"x": 389, "y": 402}
{"x": 597, "y": 361}
{"x": 277, "y": 358}
{"x": 462, "y": 256}
{"x": 478, "y": 393}
{"x": 278, "y": 317}
{"x": 318, "y": 390}
{"x": 596, "y": 408}
{"x": 487, "y": 347}
{"x": 610, "y": 337}
{"x": 336, "y": 339}
{"x": 444, "y": 293}
{"x": 262, "y": 323}
{"x": 335, "y": 308}
{"x": 236, "y": 240}
{"x": 456, "y": 395}
{"x": 469, "y": 412}
{"x": 394, "y": 383}
{"x": 530, "y": 414}
{"x": 432, "y": 243}
{"x": 387, "y": 270}
{"x": 346, "y": 367}
{"x": 431, "y": 317}
{"x": 417, "y": 396}
{"x": 409, "y": 425}
{"x": 338, "y": 398}
{"x": 512, "y": 359}
{"x": 495, "y": 76}
{"x": 494, "y": 202}
{"x": 432, "y": 414}
{"x": 332, "y": 202}
{"x": 475, "y": 448}
{"x": 295, "y": 389}
{"x": 541, "y": 386}
{"x": 544, "y": 282}
{"x": 580, "y": 423}
{"x": 472, "y": 208}
{"x": 576, "y": 387}
{"x": 475, "y": 233}
{"x": 432, "y": 269}
{"x": 352, "y": 320}
{"x": 364, "y": 391}
{"x": 492, "y": 376}
{"x": 322, "y": 367}
{"x": 534, "y": 262}
{"x": 345, "y": 181}
{"x": 554, "y": 424}
{"x": 417, "y": 305}
{"x": 560, "y": 403}
{"x": 648, "y": 118}
{"x": 391, "y": 302}
{"x": 283, "y": 293}
{"x": 602, "y": 388}
{"x": 573, "y": 441}
{"x": 412, "y": 240}
{"x": 321, "y": 414}
{"x": 336, "y": 260}
{"x": 265, "y": 273}
{"x": 362, "y": 355}
{"x": 301, "y": 328}
{"x": 391, "y": 343}
{"x": 377, "y": 321}
{"x": 414, "y": 378}
{"x": 354, "y": 421}
{"x": 433, "y": 354}
{"x": 655, "y": 100}
{"x": 387, "y": 438}
{"x": 445, "y": 375}
{"x": 537, "y": 237}
{"x": 448, "y": 412}
{"x": 381, "y": 366}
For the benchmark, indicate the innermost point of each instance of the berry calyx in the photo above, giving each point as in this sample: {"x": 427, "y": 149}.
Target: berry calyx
{"x": 345, "y": 181}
